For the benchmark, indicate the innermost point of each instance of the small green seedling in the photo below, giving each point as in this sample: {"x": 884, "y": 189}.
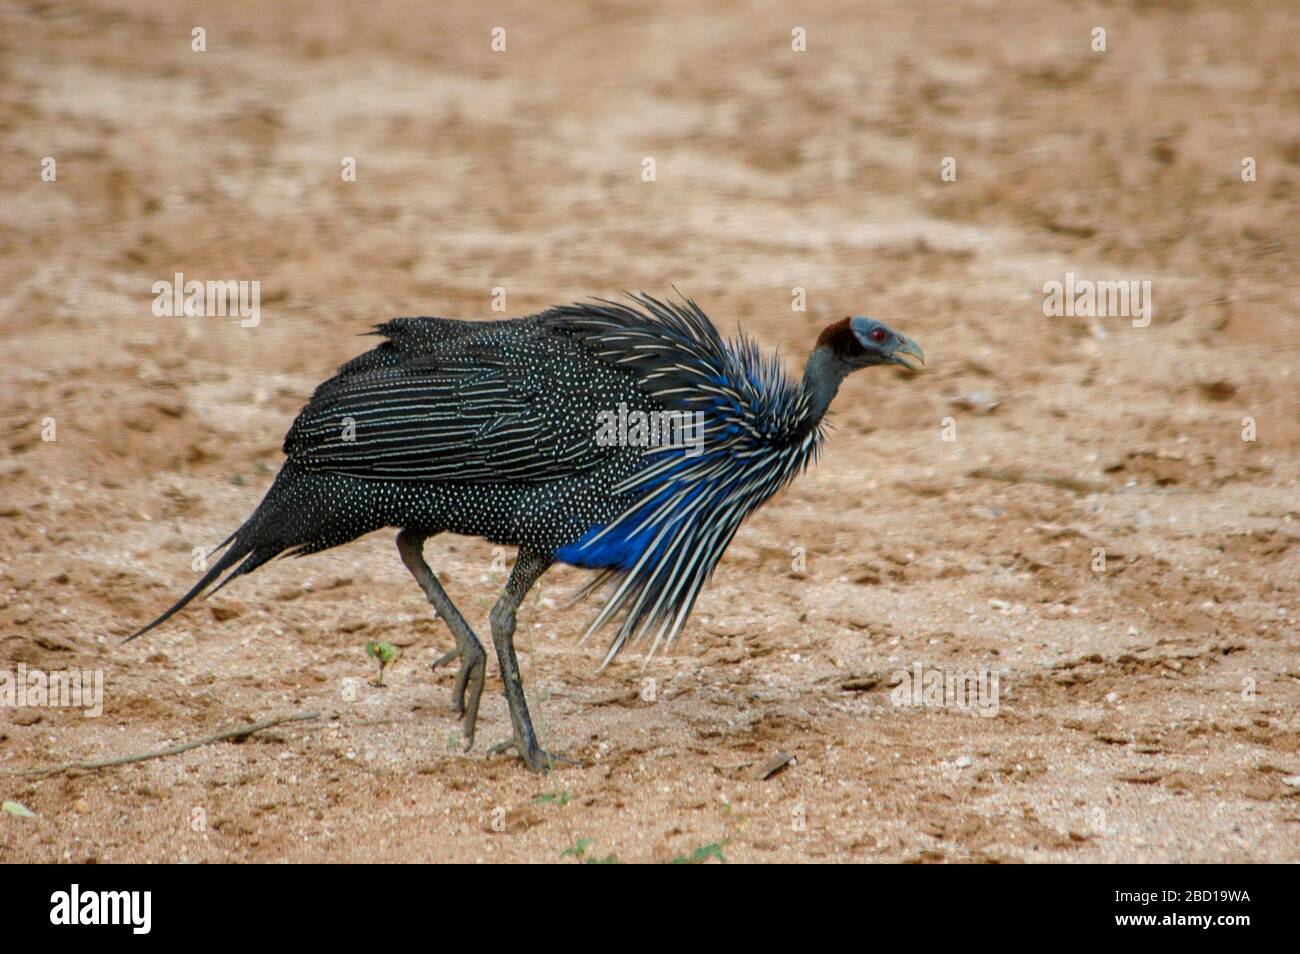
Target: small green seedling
{"x": 701, "y": 855}
{"x": 383, "y": 651}
{"x": 578, "y": 851}
{"x": 554, "y": 798}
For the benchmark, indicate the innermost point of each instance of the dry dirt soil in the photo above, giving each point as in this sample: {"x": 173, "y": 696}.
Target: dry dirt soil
{"x": 1147, "y": 709}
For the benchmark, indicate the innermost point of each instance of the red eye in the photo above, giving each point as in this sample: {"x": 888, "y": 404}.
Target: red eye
{"x": 878, "y": 335}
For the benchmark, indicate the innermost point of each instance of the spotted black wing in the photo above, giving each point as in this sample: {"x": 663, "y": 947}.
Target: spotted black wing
{"x": 474, "y": 411}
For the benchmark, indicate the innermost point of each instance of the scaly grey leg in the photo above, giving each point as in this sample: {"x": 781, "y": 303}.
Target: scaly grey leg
{"x": 473, "y": 658}
{"x": 528, "y": 568}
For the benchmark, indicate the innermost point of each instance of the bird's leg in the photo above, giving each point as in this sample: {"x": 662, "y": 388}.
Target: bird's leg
{"x": 528, "y": 567}
{"x": 473, "y": 658}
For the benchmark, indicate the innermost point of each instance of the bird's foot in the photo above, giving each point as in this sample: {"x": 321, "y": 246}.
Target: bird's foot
{"x": 446, "y": 658}
{"x": 468, "y": 690}
{"x": 535, "y": 757}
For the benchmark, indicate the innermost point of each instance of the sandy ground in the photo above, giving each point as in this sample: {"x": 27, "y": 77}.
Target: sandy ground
{"x": 1147, "y": 710}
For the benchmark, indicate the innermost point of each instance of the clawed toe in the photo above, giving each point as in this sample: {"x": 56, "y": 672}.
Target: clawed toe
{"x": 537, "y": 759}
{"x": 468, "y": 689}
{"x": 446, "y": 658}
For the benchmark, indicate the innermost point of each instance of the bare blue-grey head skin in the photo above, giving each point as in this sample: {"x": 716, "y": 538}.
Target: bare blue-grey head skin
{"x": 848, "y": 345}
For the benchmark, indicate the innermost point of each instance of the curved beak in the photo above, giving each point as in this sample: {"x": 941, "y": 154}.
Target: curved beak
{"x": 907, "y": 351}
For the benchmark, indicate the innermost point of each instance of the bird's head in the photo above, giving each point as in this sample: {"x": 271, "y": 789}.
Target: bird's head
{"x": 862, "y": 342}
{"x": 847, "y": 345}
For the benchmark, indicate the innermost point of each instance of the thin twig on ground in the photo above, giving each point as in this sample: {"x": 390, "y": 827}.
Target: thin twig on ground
{"x": 242, "y": 732}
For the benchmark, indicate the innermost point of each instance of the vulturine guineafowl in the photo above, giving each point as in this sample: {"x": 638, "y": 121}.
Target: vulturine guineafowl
{"x": 503, "y": 430}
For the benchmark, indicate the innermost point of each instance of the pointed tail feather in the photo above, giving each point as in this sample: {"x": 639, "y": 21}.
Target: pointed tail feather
{"x": 251, "y": 545}
{"x": 294, "y": 518}
{"x": 244, "y": 550}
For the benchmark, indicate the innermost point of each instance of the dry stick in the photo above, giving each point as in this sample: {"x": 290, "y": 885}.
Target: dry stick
{"x": 1011, "y": 475}
{"x": 240, "y": 733}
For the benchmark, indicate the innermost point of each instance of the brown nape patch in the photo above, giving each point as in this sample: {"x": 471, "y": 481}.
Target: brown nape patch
{"x": 840, "y": 338}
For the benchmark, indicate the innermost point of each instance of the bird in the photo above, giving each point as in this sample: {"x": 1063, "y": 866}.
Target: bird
{"x": 626, "y": 437}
